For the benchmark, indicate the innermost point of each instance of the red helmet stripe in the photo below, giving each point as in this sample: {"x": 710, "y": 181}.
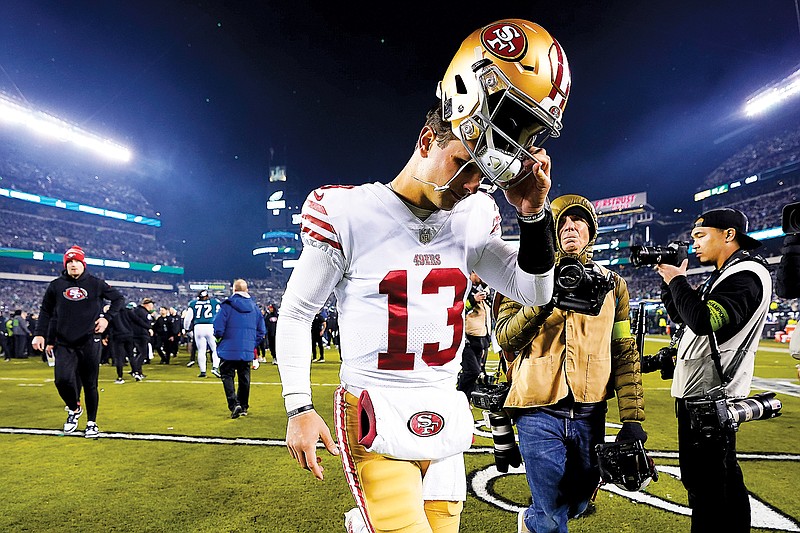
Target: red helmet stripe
{"x": 560, "y": 78}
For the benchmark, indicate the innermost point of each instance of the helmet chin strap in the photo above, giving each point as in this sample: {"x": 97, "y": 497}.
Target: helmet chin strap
{"x": 437, "y": 188}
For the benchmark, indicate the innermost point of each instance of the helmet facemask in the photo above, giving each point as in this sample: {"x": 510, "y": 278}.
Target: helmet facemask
{"x": 504, "y": 129}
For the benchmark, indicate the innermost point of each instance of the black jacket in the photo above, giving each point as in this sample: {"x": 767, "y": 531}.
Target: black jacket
{"x": 162, "y": 327}
{"x": 140, "y": 321}
{"x": 78, "y": 303}
{"x": 121, "y": 326}
{"x": 175, "y": 325}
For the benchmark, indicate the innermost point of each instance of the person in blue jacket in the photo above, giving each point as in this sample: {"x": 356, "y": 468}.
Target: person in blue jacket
{"x": 238, "y": 328}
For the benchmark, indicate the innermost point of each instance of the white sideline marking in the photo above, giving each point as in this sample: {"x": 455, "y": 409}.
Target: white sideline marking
{"x": 150, "y": 437}
{"x": 276, "y": 442}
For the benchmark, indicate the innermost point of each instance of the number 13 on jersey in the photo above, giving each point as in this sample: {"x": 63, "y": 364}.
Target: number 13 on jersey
{"x": 395, "y": 286}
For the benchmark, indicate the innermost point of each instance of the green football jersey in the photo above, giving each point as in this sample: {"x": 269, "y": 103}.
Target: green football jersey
{"x": 204, "y": 311}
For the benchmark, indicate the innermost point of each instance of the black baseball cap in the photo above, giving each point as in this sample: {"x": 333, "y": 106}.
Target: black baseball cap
{"x": 725, "y": 218}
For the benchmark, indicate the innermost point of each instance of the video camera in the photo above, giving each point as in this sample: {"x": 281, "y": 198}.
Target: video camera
{"x": 715, "y": 412}
{"x": 580, "y": 288}
{"x": 787, "y": 276}
{"x": 790, "y": 218}
{"x": 672, "y": 254}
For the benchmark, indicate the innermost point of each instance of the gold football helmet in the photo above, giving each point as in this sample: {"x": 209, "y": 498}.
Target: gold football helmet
{"x": 505, "y": 91}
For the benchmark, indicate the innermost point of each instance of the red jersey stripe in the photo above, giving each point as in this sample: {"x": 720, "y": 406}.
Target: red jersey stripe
{"x": 321, "y": 238}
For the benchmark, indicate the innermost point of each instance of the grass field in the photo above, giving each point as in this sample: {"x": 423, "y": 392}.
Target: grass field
{"x": 170, "y": 459}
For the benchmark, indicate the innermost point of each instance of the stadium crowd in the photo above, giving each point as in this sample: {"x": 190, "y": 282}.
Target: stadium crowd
{"x": 776, "y": 151}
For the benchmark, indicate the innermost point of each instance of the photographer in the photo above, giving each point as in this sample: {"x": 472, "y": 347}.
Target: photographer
{"x": 569, "y": 364}
{"x": 476, "y": 325}
{"x": 722, "y": 321}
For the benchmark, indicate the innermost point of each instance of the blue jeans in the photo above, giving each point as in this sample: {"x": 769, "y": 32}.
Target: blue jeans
{"x": 560, "y": 465}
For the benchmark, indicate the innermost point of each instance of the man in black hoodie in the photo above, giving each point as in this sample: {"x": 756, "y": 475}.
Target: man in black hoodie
{"x": 76, "y": 297}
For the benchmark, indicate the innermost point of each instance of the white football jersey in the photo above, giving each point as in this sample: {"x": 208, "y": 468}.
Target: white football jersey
{"x": 405, "y": 281}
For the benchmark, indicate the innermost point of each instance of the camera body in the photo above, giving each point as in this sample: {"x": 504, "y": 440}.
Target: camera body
{"x": 490, "y": 396}
{"x": 580, "y": 287}
{"x": 672, "y": 254}
{"x": 713, "y": 413}
{"x": 626, "y": 464}
{"x": 663, "y": 360}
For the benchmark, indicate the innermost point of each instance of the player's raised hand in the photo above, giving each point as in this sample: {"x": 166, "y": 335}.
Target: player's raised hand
{"x": 303, "y": 431}
{"x": 530, "y": 195}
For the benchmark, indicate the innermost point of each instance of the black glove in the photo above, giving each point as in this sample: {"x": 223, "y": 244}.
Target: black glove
{"x": 631, "y": 431}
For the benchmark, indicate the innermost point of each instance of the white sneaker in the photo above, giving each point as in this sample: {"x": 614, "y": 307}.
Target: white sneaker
{"x": 72, "y": 421}
{"x": 190, "y": 364}
{"x": 91, "y": 431}
{"x": 256, "y": 364}
{"x": 521, "y": 527}
{"x": 354, "y": 521}
{"x": 215, "y": 371}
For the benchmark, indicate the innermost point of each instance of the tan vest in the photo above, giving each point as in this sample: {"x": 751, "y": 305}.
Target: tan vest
{"x": 571, "y": 351}
{"x": 476, "y": 320}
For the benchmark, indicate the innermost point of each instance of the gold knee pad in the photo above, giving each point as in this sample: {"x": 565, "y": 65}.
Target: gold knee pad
{"x": 443, "y": 516}
{"x": 393, "y": 493}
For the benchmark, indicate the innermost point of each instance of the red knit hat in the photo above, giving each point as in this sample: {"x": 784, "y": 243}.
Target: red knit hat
{"x": 76, "y": 253}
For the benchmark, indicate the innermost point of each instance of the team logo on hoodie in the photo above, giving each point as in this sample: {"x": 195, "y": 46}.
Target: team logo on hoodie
{"x": 76, "y": 294}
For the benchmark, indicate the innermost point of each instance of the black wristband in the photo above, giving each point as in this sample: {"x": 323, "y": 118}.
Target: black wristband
{"x": 303, "y": 409}
{"x": 531, "y": 218}
{"x": 537, "y": 244}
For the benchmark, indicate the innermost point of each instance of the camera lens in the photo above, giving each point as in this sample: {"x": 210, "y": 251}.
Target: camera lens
{"x": 760, "y": 406}
{"x": 794, "y": 221}
{"x": 570, "y": 276}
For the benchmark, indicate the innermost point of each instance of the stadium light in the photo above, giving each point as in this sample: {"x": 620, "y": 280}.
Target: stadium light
{"x": 52, "y": 127}
{"x": 774, "y": 95}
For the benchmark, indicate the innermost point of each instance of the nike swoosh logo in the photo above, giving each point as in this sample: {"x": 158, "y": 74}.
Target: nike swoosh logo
{"x": 318, "y": 196}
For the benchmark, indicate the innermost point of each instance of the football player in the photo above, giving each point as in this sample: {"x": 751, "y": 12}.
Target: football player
{"x": 200, "y": 315}
{"x": 398, "y": 256}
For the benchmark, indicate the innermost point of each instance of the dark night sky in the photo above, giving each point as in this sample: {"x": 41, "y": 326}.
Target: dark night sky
{"x": 208, "y": 94}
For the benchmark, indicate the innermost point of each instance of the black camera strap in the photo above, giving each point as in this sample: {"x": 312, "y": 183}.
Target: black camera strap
{"x": 738, "y": 357}
{"x": 712, "y": 340}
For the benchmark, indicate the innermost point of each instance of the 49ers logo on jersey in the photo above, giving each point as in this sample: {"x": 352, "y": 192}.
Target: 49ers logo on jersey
{"x": 425, "y": 424}
{"x": 76, "y": 294}
{"x": 505, "y": 40}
